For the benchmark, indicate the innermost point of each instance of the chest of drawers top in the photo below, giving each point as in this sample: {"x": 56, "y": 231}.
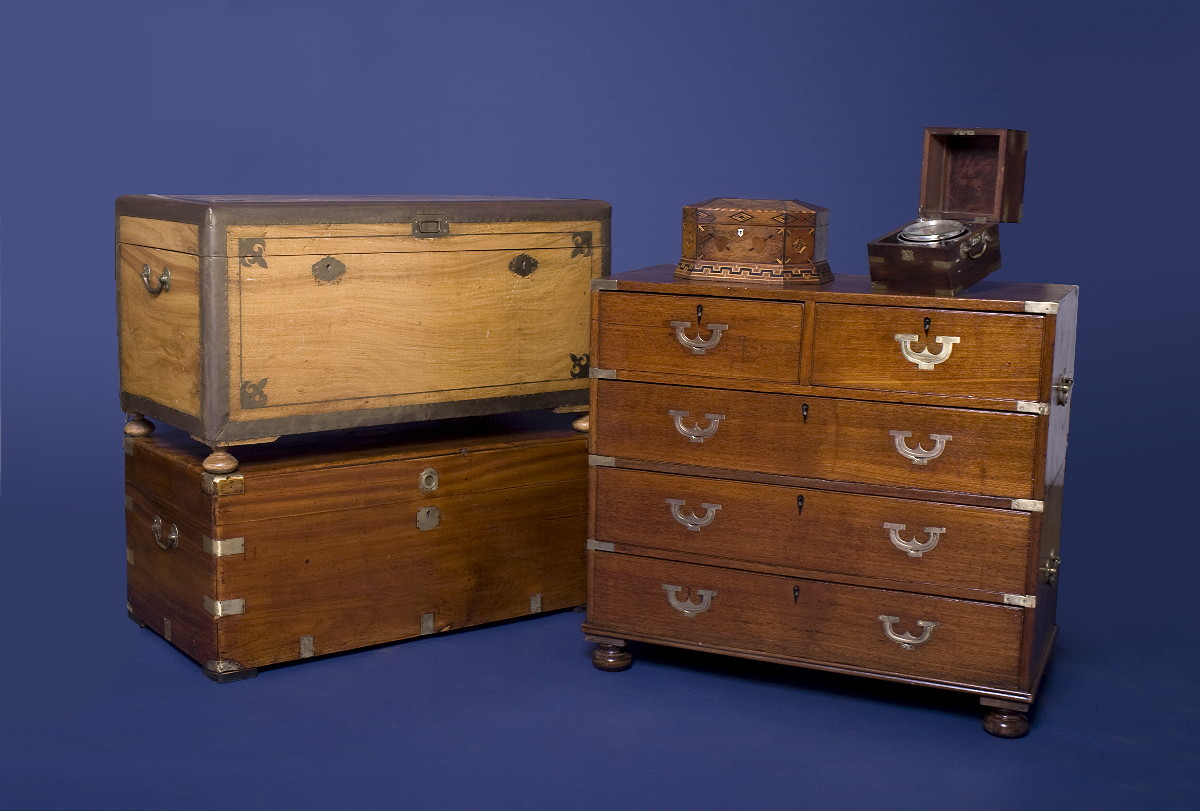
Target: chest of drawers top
{"x": 996, "y": 349}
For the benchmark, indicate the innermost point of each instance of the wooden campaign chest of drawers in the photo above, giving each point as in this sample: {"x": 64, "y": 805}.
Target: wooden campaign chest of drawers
{"x": 328, "y": 542}
{"x": 833, "y": 478}
{"x": 242, "y": 319}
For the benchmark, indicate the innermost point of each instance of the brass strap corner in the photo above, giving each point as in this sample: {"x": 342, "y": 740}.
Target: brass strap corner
{"x": 1023, "y": 600}
{"x": 1042, "y": 307}
{"x": 224, "y": 608}
{"x": 1028, "y": 504}
{"x": 222, "y": 484}
{"x": 604, "y": 284}
{"x": 600, "y": 546}
{"x": 1028, "y": 407}
{"x": 601, "y": 461}
{"x": 602, "y": 374}
{"x": 220, "y": 548}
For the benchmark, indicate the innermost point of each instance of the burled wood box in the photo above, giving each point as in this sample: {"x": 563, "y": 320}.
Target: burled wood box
{"x": 328, "y": 542}
{"x": 247, "y": 318}
{"x": 773, "y": 241}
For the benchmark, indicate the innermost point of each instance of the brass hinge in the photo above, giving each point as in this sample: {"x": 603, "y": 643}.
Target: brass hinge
{"x": 222, "y": 484}
{"x": 227, "y": 546}
{"x": 1027, "y": 407}
{"x": 224, "y": 608}
{"x": 1028, "y": 504}
{"x": 601, "y": 461}
{"x": 1023, "y": 600}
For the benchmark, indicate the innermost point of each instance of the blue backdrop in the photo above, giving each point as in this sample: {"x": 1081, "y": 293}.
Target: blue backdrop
{"x": 651, "y": 106}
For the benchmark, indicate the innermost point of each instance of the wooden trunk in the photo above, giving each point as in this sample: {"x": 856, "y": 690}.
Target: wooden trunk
{"x": 975, "y": 177}
{"x": 242, "y": 319}
{"x": 336, "y": 541}
{"x": 832, "y": 478}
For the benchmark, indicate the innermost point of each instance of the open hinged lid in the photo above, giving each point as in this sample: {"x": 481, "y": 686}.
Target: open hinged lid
{"x": 973, "y": 175}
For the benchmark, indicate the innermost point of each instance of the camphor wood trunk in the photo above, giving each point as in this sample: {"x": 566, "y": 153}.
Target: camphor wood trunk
{"x": 245, "y": 318}
{"x": 335, "y": 541}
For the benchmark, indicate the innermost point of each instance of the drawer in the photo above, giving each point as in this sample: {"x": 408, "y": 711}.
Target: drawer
{"x": 699, "y": 336}
{"x": 973, "y": 354}
{"x": 916, "y": 542}
{"x": 925, "y": 637}
{"x": 926, "y": 447}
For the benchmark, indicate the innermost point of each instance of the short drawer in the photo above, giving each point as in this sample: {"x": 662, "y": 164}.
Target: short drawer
{"x": 886, "y": 632}
{"x": 926, "y": 447}
{"x": 699, "y": 336}
{"x": 917, "y": 542}
{"x": 972, "y": 354}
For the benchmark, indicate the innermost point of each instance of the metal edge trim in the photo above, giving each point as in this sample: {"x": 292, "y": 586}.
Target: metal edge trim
{"x": 535, "y": 604}
{"x": 427, "y": 623}
{"x": 225, "y": 546}
{"x": 215, "y": 326}
{"x": 307, "y": 649}
{"x": 1032, "y": 505}
{"x": 602, "y": 374}
{"x": 600, "y": 546}
{"x": 604, "y": 283}
{"x": 1042, "y": 307}
{"x": 1023, "y": 600}
{"x": 1030, "y": 407}
{"x": 601, "y": 461}
{"x": 224, "y": 608}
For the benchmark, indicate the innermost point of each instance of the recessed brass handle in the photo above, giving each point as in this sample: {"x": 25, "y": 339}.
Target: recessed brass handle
{"x": 690, "y": 519}
{"x": 696, "y": 433}
{"x": 688, "y": 607}
{"x": 698, "y": 345}
{"x": 907, "y": 640}
{"x": 924, "y": 358}
{"x": 919, "y": 455}
{"x": 170, "y": 540}
{"x": 913, "y": 548}
{"x": 164, "y": 281}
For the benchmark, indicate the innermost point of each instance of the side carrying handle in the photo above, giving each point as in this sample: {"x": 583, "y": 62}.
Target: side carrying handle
{"x": 164, "y": 281}
{"x": 689, "y": 608}
{"x": 907, "y": 640}
{"x": 170, "y": 540}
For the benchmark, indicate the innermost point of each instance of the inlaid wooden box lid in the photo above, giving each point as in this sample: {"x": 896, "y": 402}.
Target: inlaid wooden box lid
{"x": 976, "y": 175}
{"x": 755, "y": 240}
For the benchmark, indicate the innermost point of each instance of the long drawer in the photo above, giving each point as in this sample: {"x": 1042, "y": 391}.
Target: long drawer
{"x": 822, "y": 531}
{"x": 887, "y": 632}
{"x": 926, "y": 447}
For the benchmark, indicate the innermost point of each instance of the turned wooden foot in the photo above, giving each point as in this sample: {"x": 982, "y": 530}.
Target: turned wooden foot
{"x": 582, "y": 424}
{"x": 611, "y": 658}
{"x": 220, "y": 461}
{"x": 137, "y": 425}
{"x": 1005, "y": 723}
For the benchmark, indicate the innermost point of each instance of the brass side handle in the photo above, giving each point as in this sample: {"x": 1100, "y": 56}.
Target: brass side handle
{"x": 696, "y": 433}
{"x": 163, "y": 284}
{"x": 913, "y": 548}
{"x": 168, "y": 541}
{"x": 698, "y": 345}
{"x": 924, "y": 358}
{"x": 689, "y": 608}
{"x": 907, "y": 640}
{"x": 918, "y": 455}
{"x": 690, "y": 519}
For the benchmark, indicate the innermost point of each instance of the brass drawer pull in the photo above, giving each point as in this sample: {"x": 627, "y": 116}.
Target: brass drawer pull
{"x": 913, "y": 548}
{"x": 689, "y": 608}
{"x": 907, "y": 640}
{"x": 164, "y": 281}
{"x": 919, "y": 455}
{"x": 698, "y": 345}
{"x": 690, "y": 519}
{"x": 926, "y": 359}
{"x": 696, "y": 433}
{"x": 170, "y": 540}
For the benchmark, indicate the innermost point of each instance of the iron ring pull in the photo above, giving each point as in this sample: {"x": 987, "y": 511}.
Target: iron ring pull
{"x": 907, "y": 640}
{"x": 689, "y": 608}
{"x": 919, "y": 455}
{"x": 698, "y": 345}
{"x": 690, "y": 519}
{"x": 164, "y": 280}
{"x": 913, "y": 548}
{"x": 926, "y": 359}
{"x": 696, "y": 433}
{"x": 170, "y": 540}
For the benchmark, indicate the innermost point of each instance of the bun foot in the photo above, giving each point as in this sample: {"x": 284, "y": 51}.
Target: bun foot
{"x": 582, "y": 424}
{"x": 1006, "y": 723}
{"x": 220, "y": 461}
{"x": 611, "y": 658}
{"x": 138, "y": 425}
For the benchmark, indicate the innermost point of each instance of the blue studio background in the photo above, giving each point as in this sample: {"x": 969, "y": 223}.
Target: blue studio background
{"x": 651, "y": 106}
